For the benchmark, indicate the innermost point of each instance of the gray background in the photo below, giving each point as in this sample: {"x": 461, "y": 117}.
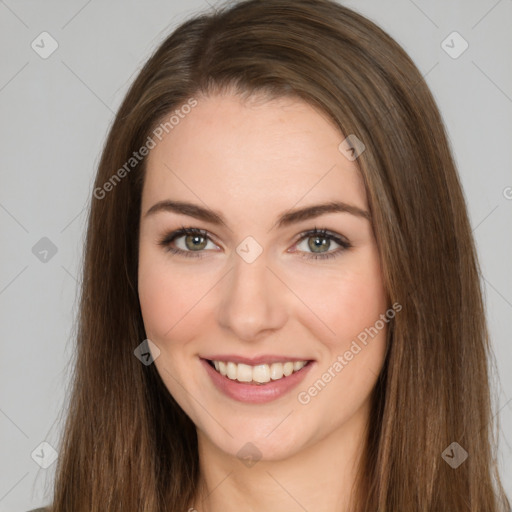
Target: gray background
{"x": 55, "y": 114}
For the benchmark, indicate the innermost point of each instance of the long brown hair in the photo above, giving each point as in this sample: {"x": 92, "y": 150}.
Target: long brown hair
{"x": 126, "y": 444}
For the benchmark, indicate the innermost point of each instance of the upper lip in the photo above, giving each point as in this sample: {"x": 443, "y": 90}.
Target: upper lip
{"x": 253, "y": 361}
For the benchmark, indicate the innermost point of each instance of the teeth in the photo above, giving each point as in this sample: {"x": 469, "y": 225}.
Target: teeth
{"x": 232, "y": 370}
{"x": 287, "y": 369}
{"x": 276, "y": 371}
{"x": 244, "y": 373}
{"x": 260, "y": 373}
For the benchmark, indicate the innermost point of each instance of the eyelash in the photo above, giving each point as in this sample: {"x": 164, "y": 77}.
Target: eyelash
{"x": 321, "y": 233}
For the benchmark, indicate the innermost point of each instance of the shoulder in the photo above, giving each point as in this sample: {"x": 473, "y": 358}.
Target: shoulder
{"x": 39, "y": 510}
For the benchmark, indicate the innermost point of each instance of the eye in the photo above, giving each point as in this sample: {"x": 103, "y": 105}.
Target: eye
{"x": 319, "y": 241}
{"x": 193, "y": 243}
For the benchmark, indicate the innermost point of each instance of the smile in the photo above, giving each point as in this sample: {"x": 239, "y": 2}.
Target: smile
{"x": 258, "y": 374}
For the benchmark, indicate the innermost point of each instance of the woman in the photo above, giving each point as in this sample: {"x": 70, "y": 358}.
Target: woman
{"x": 281, "y": 306}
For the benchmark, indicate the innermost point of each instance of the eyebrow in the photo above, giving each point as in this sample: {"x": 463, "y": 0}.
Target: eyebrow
{"x": 285, "y": 219}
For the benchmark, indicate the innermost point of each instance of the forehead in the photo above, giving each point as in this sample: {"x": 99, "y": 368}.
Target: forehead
{"x": 250, "y": 155}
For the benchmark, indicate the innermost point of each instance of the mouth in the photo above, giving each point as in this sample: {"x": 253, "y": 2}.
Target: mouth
{"x": 256, "y": 384}
{"x": 260, "y": 374}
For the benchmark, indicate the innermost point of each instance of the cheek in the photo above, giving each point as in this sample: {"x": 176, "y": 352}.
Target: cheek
{"x": 345, "y": 300}
{"x": 354, "y": 347}
{"x": 360, "y": 301}
{"x": 356, "y": 352}
{"x": 173, "y": 300}
{"x": 162, "y": 294}
{"x": 156, "y": 300}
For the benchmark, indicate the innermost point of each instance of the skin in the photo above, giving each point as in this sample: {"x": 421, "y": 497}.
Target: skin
{"x": 251, "y": 161}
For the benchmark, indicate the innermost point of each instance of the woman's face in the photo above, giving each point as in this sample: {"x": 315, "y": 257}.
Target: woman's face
{"x": 247, "y": 287}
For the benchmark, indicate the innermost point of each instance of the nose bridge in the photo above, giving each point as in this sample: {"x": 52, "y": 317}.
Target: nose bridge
{"x": 253, "y": 298}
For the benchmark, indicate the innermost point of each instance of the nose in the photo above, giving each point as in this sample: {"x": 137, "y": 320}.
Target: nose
{"x": 254, "y": 300}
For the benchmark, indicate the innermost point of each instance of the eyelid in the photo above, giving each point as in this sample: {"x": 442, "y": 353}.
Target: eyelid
{"x": 324, "y": 233}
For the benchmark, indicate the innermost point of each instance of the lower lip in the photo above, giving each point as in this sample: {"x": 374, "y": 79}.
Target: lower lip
{"x": 256, "y": 393}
